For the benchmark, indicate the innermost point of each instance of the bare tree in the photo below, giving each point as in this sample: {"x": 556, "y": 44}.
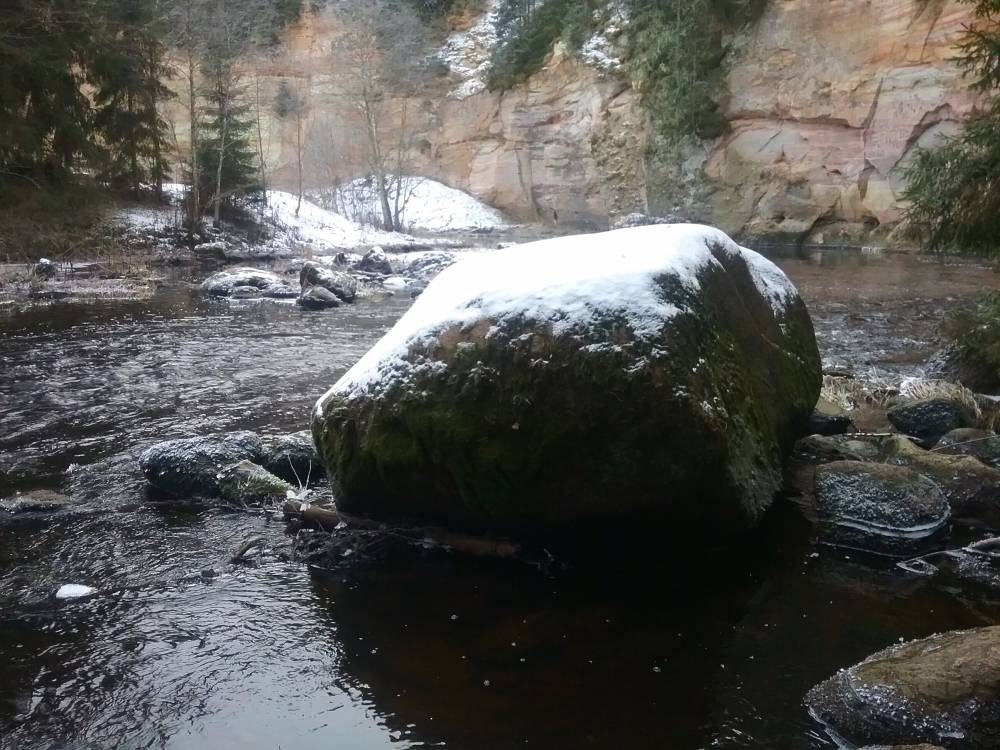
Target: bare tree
{"x": 377, "y": 62}
{"x": 292, "y": 103}
{"x": 188, "y": 23}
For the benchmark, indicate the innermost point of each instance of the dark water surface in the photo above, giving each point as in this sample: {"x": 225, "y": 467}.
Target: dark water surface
{"x": 435, "y": 651}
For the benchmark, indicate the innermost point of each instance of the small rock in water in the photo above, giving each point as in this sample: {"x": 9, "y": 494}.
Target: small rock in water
{"x": 878, "y": 507}
{"x": 74, "y": 591}
{"x": 341, "y": 284}
{"x": 317, "y": 298}
{"x": 376, "y": 261}
{"x": 930, "y": 419}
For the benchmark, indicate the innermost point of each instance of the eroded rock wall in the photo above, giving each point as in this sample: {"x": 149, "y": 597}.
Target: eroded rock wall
{"x": 826, "y": 98}
{"x": 827, "y": 101}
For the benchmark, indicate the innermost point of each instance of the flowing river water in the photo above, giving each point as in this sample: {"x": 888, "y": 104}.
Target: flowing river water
{"x": 428, "y": 650}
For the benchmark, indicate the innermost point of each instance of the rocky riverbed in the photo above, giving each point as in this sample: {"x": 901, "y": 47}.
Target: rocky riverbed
{"x": 177, "y": 645}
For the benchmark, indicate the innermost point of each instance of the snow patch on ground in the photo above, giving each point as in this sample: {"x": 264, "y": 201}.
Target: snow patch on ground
{"x": 467, "y": 54}
{"x": 569, "y": 281}
{"x": 311, "y": 226}
{"x": 324, "y": 229}
{"x": 426, "y": 205}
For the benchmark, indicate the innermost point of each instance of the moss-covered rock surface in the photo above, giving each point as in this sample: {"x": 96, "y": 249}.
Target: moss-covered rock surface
{"x": 564, "y": 409}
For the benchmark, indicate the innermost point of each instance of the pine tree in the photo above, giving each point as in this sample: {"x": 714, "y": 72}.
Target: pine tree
{"x": 226, "y": 153}
{"x": 127, "y": 76}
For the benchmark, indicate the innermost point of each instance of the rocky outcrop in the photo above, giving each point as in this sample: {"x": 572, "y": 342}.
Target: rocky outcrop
{"x": 621, "y": 381}
{"x": 826, "y": 103}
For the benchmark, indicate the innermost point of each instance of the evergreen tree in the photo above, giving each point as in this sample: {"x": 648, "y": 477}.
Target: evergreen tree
{"x": 226, "y": 153}
{"x": 954, "y": 190}
{"x": 127, "y": 75}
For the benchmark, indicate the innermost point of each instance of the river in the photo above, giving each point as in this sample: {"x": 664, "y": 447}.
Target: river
{"x": 423, "y": 651}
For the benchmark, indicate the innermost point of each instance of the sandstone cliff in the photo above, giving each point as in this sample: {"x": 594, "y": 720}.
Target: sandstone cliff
{"x": 826, "y": 100}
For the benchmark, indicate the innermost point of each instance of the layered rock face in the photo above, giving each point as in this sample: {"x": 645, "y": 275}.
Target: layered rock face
{"x": 615, "y": 385}
{"x": 827, "y": 102}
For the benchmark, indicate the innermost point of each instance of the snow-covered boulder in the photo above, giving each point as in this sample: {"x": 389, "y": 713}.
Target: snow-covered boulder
{"x": 343, "y": 285}
{"x": 652, "y": 374}
{"x": 226, "y": 283}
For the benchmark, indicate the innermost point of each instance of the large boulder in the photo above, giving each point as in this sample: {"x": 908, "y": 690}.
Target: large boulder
{"x": 657, "y": 374}
{"x": 943, "y": 690}
{"x": 343, "y": 285}
{"x": 878, "y": 507}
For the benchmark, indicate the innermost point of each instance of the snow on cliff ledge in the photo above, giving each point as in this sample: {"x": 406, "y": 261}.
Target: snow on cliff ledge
{"x": 570, "y": 281}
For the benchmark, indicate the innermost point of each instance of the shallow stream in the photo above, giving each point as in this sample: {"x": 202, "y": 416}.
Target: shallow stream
{"x": 417, "y": 652}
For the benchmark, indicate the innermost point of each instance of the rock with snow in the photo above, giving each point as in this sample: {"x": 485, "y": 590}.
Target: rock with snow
{"x": 74, "y": 591}
{"x": 375, "y": 261}
{"x": 190, "y": 466}
{"x": 343, "y": 285}
{"x": 878, "y": 507}
{"x": 424, "y": 204}
{"x": 226, "y": 283}
{"x": 425, "y": 265}
{"x": 599, "y": 383}
{"x": 943, "y": 690}
{"x": 318, "y": 298}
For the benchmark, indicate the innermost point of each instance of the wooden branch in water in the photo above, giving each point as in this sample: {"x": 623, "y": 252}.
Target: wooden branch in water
{"x": 477, "y": 546}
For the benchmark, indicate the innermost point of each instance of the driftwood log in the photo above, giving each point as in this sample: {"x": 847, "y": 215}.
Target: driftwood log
{"x": 329, "y": 518}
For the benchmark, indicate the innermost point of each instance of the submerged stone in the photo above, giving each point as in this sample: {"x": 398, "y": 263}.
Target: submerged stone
{"x": 943, "y": 690}
{"x": 190, "y": 466}
{"x": 35, "y": 501}
{"x": 877, "y": 506}
{"x": 597, "y": 383}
